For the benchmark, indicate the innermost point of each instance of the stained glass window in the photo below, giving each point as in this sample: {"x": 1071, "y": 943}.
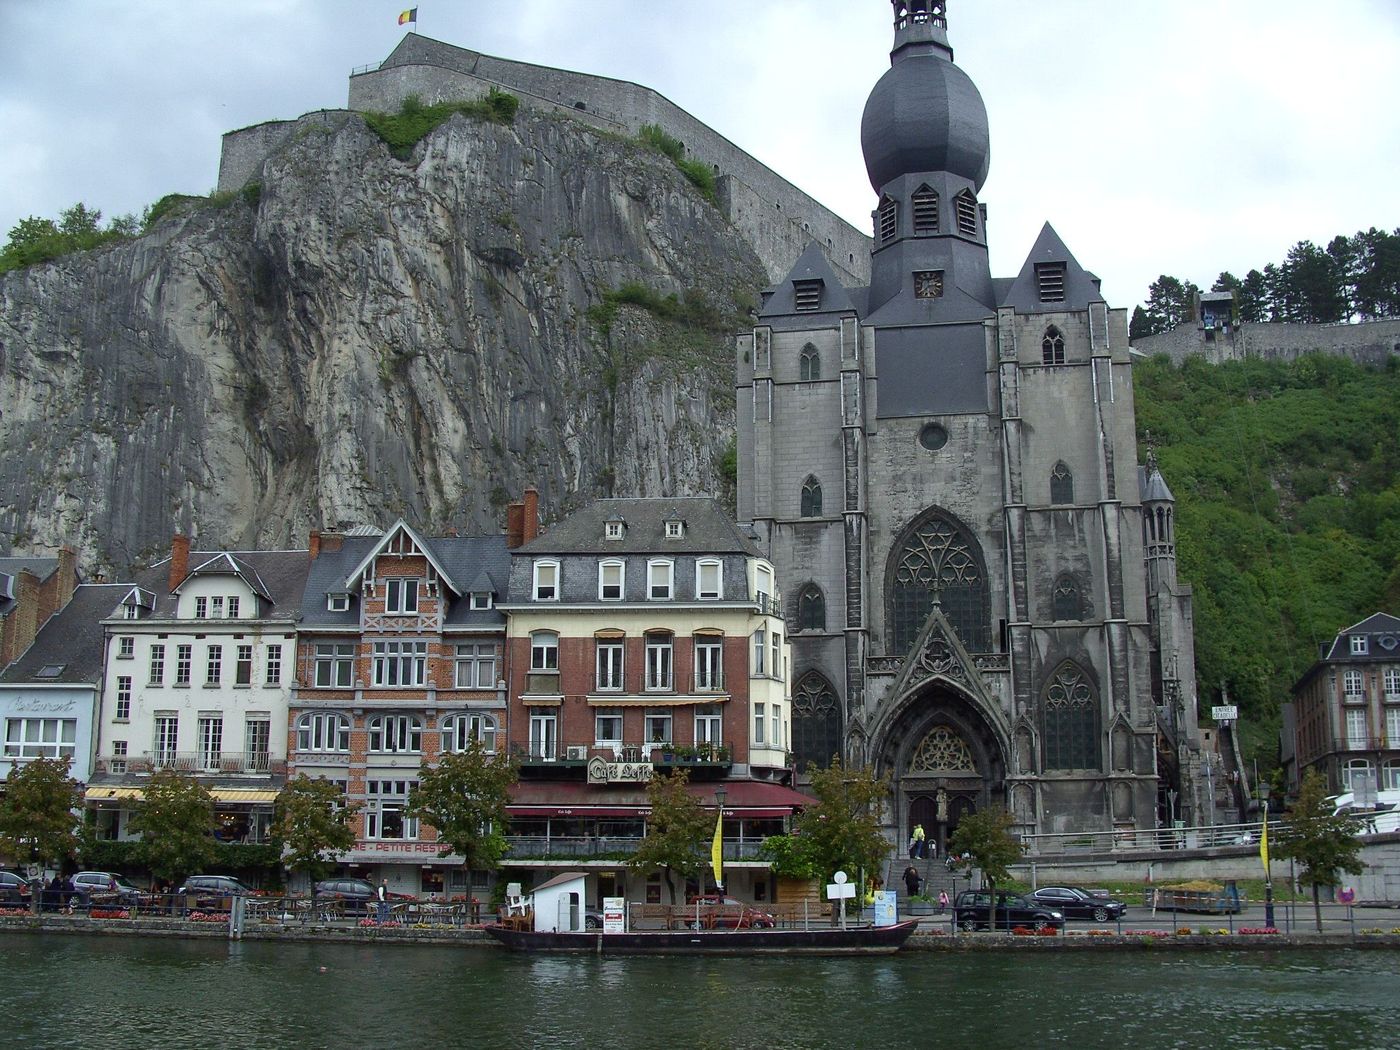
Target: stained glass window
{"x": 811, "y": 609}
{"x": 939, "y": 557}
{"x": 816, "y": 721}
{"x": 1061, "y": 484}
{"x": 1071, "y": 709}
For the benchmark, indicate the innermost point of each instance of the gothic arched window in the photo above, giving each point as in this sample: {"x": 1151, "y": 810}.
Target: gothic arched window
{"x": 942, "y": 751}
{"x": 816, "y": 721}
{"x": 1061, "y": 484}
{"x": 809, "y": 364}
{"x": 811, "y": 609}
{"x": 887, "y": 220}
{"x": 1052, "y": 347}
{"x": 938, "y": 557}
{"x": 925, "y": 203}
{"x": 811, "y": 498}
{"x": 1071, "y": 720}
{"x": 1066, "y": 600}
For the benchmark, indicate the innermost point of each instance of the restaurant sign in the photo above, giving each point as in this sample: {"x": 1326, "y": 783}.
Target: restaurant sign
{"x": 601, "y": 771}
{"x": 376, "y": 851}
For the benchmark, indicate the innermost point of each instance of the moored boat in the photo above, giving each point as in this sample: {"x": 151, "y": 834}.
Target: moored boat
{"x": 824, "y": 940}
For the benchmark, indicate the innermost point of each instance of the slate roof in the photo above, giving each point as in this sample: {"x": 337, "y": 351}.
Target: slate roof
{"x": 1381, "y": 628}
{"x": 477, "y": 560}
{"x": 280, "y": 576}
{"x": 1081, "y": 287}
{"x": 72, "y": 638}
{"x": 811, "y": 265}
{"x": 1152, "y": 486}
{"x": 708, "y": 529}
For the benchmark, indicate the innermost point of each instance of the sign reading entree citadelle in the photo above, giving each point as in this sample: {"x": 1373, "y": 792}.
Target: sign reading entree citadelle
{"x": 601, "y": 771}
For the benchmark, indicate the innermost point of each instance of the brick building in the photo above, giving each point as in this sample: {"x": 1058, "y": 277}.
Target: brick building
{"x": 645, "y": 636}
{"x": 1346, "y": 709}
{"x": 32, "y": 590}
{"x": 398, "y": 659}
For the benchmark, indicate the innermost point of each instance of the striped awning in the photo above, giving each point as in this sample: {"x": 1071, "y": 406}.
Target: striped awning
{"x": 220, "y": 794}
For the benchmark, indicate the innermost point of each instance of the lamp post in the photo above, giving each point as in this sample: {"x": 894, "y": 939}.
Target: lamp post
{"x": 1264, "y": 849}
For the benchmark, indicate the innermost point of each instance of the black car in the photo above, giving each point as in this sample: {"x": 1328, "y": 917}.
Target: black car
{"x": 1075, "y": 903}
{"x": 973, "y": 908}
{"x": 212, "y": 892}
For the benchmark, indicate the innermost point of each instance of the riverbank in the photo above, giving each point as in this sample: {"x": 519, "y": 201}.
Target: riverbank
{"x": 922, "y": 941}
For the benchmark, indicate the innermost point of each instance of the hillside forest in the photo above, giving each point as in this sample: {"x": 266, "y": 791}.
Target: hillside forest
{"x": 1287, "y": 485}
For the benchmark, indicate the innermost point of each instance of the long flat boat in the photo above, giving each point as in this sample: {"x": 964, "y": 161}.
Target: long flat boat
{"x": 824, "y": 940}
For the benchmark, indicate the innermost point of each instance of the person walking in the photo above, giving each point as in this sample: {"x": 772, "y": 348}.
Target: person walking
{"x": 912, "y": 880}
{"x": 942, "y": 901}
{"x": 916, "y": 848}
{"x": 382, "y": 895}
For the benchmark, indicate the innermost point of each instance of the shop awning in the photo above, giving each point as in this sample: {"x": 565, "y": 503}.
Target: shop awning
{"x": 744, "y": 799}
{"x": 603, "y": 700}
{"x": 220, "y": 794}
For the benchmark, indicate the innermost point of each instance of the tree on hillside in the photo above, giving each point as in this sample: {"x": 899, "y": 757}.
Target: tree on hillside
{"x": 175, "y": 820}
{"x": 842, "y": 830}
{"x": 464, "y": 798}
{"x": 38, "y": 812}
{"x": 1312, "y": 286}
{"x": 79, "y": 228}
{"x": 1140, "y": 327}
{"x": 986, "y": 837}
{"x": 1253, "y": 299}
{"x": 1170, "y": 302}
{"x": 1323, "y": 843}
{"x": 311, "y": 819}
{"x": 679, "y": 830}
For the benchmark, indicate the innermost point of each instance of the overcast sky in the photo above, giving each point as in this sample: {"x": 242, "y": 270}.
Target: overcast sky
{"x": 1181, "y": 138}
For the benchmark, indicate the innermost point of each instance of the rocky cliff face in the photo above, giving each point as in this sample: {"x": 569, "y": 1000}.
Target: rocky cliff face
{"x": 372, "y": 338}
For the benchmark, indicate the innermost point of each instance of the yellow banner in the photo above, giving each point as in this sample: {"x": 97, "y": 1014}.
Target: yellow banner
{"x": 717, "y": 849}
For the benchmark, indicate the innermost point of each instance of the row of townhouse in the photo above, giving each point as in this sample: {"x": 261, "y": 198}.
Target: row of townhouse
{"x": 636, "y": 636}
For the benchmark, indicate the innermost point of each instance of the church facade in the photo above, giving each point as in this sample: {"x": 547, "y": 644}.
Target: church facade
{"x": 943, "y": 467}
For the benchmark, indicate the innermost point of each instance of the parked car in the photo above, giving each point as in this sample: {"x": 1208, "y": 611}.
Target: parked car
{"x": 211, "y": 891}
{"x": 717, "y": 911}
{"x": 102, "y": 887}
{"x": 15, "y": 888}
{"x": 973, "y": 908}
{"x": 360, "y": 894}
{"x": 1075, "y": 903}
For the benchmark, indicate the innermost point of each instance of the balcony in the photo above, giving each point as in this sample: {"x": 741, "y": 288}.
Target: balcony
{"x": 711, "y": 681}
{"x": 1352, "y": 697}
{"x": 769, "y": 605}
{"x": 1361, "y": 743}
{"x": 603, "y": 847}
{"x": 239, "y": 762}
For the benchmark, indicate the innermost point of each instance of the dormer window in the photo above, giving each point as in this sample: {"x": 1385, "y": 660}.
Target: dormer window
{"x": 887, "y": 219}
{"x": 337, "y": 603}
{"x": 928, "y": 284}
{"x": 807, "y": 296}
{"x": 660, "y": 575}
{"x": 546, "y": 581}
{"x": 925, "y": 210}
{"x": 612, "y": 580}
{"x": 1050, "y": 280}
{"x": 614, "y": 530}
{"x": 675, "y": 529}
{"x": 1360, "y": 645}
{"x": 965, "y": 204}
{"x": 481, "y": 599}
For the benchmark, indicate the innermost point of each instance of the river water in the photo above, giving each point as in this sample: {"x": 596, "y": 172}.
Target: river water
{"x": 118, "y": 992}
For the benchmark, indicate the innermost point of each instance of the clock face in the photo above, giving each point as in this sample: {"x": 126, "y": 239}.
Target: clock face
{"x": 928, "y": 284}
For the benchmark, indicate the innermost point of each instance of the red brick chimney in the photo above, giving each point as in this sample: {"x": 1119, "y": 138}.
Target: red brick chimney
{"x": 531, "y": 524}
{"x": 515, "y": 528}
{"x": 179, "y": 560}
{"x": 314, "y": 542}
{"x": 67, "y": 575}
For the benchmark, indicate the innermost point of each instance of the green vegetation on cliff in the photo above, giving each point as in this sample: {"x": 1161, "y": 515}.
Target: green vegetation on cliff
{"x": 1287, "y": 485}
{"x": 403, "y": 130}
{"x": 697, "y": 172}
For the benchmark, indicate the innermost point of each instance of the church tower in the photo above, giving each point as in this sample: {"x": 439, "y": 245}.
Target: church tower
{"x": 943, "y": 467}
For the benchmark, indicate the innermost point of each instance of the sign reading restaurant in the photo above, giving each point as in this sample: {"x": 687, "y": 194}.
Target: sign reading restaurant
{"x": 377, "y": 851}
{"x": 601, "y": 771}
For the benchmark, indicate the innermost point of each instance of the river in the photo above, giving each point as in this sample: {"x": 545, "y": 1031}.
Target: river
{"x": 118, "y": 992}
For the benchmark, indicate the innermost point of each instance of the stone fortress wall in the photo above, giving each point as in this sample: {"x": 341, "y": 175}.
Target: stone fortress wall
{"x": 776, "y": 217}
{"x": 1368, "y": 343}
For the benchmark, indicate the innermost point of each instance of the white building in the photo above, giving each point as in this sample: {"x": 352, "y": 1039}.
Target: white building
{"x": 198, "y": 669}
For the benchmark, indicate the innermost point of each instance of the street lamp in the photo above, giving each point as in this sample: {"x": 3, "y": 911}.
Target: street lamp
{"x": 1264, "y": 851}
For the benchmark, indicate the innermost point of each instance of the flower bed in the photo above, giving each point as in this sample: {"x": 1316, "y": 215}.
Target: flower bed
{"x": 14, "y": 911}
{"x": 1258, "y": 931}
{"x": 1023, "y": 931}
{"x": 208, "y": 916}
{"x": 109, "y": 913}
{"x": 369, "y": 924}
{"x": 1155, "y": 935}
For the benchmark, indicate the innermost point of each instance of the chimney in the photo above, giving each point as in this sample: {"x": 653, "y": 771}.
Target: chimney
{"x": 67, "y": 575}
{"x": 314, "y": 542}
{"x": 179, "y": 560}
{"x": 515, "y": 529}
{"x": 332, "y": 541}
{"x": 24, "y": 618}
{"x": 531, "y": 525}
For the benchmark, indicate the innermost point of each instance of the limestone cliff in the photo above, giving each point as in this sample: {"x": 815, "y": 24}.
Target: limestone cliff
{"x": 368, "y": 338}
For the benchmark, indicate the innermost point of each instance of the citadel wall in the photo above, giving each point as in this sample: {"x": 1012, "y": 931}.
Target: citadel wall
{"x": 1368, "y": 343}
{"x": 777, "y": 218}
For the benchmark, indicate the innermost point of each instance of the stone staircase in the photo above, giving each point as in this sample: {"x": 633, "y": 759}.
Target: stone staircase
{"x": 935, "y": 874}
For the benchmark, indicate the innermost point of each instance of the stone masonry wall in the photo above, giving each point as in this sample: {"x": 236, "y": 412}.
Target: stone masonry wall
{"x": 1368, "y": 343}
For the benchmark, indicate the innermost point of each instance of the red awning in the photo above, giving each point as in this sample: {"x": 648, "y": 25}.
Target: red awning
{"x": 570, "y": 798}
{"x": 575, "y": 811}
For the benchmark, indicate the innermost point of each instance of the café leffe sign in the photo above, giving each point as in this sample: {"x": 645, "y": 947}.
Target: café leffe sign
{"x": 601, "y": 771}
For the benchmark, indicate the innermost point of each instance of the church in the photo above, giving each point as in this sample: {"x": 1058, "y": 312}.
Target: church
{"x": 980, "y": 578}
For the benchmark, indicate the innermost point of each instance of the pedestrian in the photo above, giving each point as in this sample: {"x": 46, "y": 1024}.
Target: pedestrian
{"x": 942, "y": 901}
{"x": 917, "y": 841}
{"x": 912, "y": 879}
{"x": 382, "y": 893}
